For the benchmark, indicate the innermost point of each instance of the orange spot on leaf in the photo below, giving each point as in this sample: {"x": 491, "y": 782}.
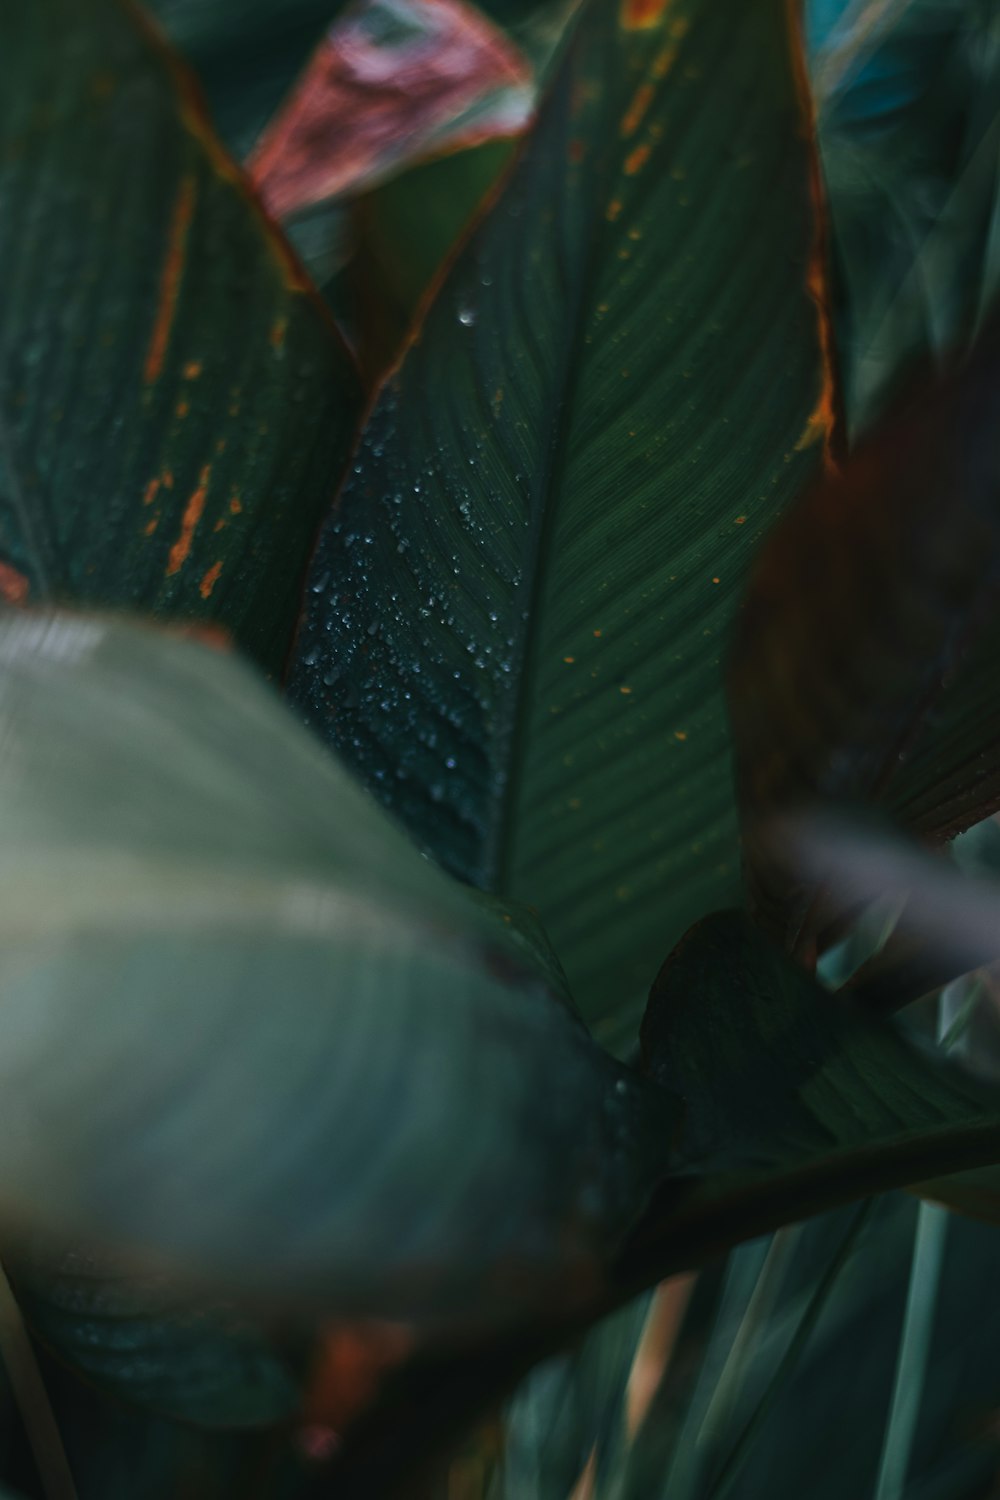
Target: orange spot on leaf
{"x": 277, "y": 335}
{"x": 152, "y": 490}
{"x": 614, "y": 208}
{"x": 170, "y": 277}
{"x": 183, "y": 407}
{"x": 663, "y": 62}
{"x": 151, "y": 526}
{"x": 636, "y": 160}
{"x": 192, "y": 369}
{"x": 14, "y": 587}
{"x": 236, "y": 505}
{"x": 210, "y": 579}
{"x": 189, "y": 523}
{"x": 641, "y": 15}
{"x": 634, "y": 115}
{"x": 350, "y": 1365}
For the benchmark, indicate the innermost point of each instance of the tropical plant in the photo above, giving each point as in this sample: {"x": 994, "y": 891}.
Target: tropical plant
{"x": 407, "y": 1055}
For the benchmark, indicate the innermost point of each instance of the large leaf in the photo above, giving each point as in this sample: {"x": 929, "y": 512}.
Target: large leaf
{"x": 141, "y": 1338}
{"x": 247, "y": 1025}
{"x": 516, "y": 609}
{"x": 865, "y": 666}
{"x": 780, "y": 1417}
{"x": 175, "y": 405}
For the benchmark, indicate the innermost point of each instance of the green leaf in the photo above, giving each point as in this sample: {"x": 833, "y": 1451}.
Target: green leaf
{"x": 175, "y": 404}
{"x": 795, "y": 1100}
{"x": 247, "y": 54}
{"x": 909, "y": 133}
{"x": 864, "y": 666}
{"x": 570, "y": 1408}
{"x": 847, "y": 1368}
{"x": 117, "y": 1451}
{"x": 516, "y": 609}
{"x": 248, "y": 1025}
{"x": 140, "y": 1337}
{"x": 405, "y": 229}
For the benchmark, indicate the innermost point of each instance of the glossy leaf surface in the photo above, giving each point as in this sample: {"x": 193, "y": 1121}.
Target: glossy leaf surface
{"x": 175, "y": 405}
{"x": 516, "y": 609}
{"x": 865, "y": 662}
{"x": 363, "y": 1092}
{"x": 138, "y": 1338}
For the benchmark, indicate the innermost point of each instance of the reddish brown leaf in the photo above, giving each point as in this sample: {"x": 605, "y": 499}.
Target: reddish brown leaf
{"x": 388, "y": 82}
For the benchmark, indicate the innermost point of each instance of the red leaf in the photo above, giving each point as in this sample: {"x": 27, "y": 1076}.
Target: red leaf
{"x": 387, "y": 83}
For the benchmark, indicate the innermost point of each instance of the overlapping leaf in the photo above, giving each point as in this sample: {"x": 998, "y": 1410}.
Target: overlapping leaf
{"x": 909, "y": 133}
{"x": 246, "y": 1024}
{"x": 141, "y": 1339}
{"x": 247, "y": 54}
{"x": 571, "y": 1411}
{"x": 404, "y": 230}
{"x": 175, "y": 405}
{"x": 388, "y": 82}
{"x": 865, "y": 662}
{"x": 516, "y": 610}
{"x": 795, "y": 1101}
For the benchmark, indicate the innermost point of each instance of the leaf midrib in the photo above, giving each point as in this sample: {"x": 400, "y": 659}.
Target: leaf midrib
{"x": 498, "y": 863}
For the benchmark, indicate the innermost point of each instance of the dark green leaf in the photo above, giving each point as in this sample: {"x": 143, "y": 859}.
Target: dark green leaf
{"x": 909, "y": 132}
{"x": 247, "y": 1024}
{"x": 405, "y": 228}
{"x": 138, "y": 1337}
{"x": 119, "y": 1452}
{"x": 865, "y": 662}
{"x": 570, "y": 1408}
{"x": 247, "y": 54}
{"x": 795, "y": 1100}
{"x": 842, "y": 1381}
{"x": 175, "y": 405}
{"x": 517, "y": 608}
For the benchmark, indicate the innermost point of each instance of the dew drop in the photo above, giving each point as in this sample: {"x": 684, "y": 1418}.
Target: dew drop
{"x": 467, "y": 316}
